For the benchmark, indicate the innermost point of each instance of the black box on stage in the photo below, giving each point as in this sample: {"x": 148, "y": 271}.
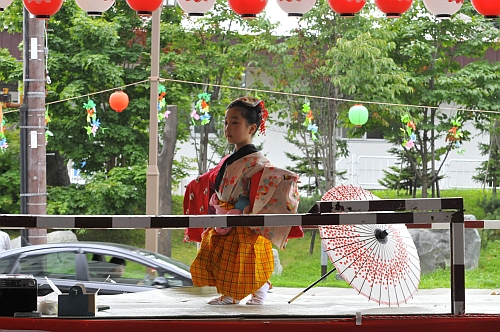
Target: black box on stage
{"x": 18, "y": 293}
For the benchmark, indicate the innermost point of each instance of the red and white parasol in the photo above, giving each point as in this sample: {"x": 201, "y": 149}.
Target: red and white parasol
{"x": 380, "y": 261}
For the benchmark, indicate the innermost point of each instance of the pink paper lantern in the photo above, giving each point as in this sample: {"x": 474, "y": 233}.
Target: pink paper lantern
{"x": 95, "y": 7}
{"x": 296, "y": 8}
{"x": 393, "y": 8}
{"x": 443, "y": 9}
{"x": 346, "y": 8}
{"x": 196, "y": 7}
{"x": 4, "y": 4}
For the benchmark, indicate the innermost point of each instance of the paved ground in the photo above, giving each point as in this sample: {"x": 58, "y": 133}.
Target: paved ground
{"x": 319, "y": 301}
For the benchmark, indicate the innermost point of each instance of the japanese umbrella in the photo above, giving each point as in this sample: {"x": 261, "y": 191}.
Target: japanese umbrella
{"x": 379, "y": 261}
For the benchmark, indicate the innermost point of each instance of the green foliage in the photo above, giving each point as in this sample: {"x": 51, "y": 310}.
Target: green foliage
{"x": 491, "y": 207}
{"x": 10, "y": 179}
{"x": 10, "y": 69}
{"x": 427, "y": 51}
{"x": 326, "y": 59}
{"x": 121, "y": 191}
{"x": 213, "y": 52}
{"x": 306, "y": 203}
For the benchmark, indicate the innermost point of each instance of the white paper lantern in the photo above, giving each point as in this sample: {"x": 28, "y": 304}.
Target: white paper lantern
{"x": 296, "y": 8}
{"x": 196, "y": 7}
{"x": 443, "y": 9}
{"x": 95, "y": 7}
{"x": 4, "y": 4}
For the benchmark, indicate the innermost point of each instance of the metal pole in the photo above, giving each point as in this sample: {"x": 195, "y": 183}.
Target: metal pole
{"x": 23, "y": 123}
{"x": 153, "y": 175}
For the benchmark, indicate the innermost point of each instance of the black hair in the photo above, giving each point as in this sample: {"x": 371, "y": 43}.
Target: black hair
{"x": 118, "y": 261}
{"x": 252, "y": 115}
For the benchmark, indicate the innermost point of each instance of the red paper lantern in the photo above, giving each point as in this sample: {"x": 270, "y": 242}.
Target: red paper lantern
{"x": 296, "y": 8}
{"x": 118, "y": 101}
{"x": 247, "y": 8}
{"x": 346, "y": 8}
{"x": 487, "y": 8}
{"x": 196, "y": 7}
{"x": 43, "y": 9}
{"x": 443, "y": 9}
{"x": 144, "y": 7}
{"x": 393, "y": 8}
{"x": 4, "y": 4}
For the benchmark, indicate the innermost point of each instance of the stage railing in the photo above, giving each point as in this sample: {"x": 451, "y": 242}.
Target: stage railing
{"x": 415, "y": 213}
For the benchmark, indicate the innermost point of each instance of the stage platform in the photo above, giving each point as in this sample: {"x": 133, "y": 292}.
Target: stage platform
{"x": 321, "y": 309}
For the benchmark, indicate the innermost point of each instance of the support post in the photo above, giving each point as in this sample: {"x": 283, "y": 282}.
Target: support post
{"x": 457, "y": 241}
{"x": 152, "y": 175}
{"x": 32, "y": 126}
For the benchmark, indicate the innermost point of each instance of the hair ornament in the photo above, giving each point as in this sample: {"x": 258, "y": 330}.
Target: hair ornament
{"x": 265, "y": 115}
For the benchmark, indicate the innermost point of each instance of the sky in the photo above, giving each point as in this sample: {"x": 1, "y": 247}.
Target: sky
{"x": 276, "y": 14}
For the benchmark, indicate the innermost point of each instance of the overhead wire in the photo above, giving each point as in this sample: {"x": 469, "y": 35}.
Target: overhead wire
{"x": 162, "y": 79}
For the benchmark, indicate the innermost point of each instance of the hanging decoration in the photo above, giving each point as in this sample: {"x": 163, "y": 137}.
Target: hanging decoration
{"x": 3, "y": 139}
{"x": 346, "y": 8}
{"x": 393, "y": 8}
{"x": 162, "y": 111}
{"x": 4, "y": 4}
{"x": 118, "y": 101}
{"x": 443, "y": 9}
{"x": 313, "y": 128}
{"x": 455, "y": 135}
{"x": 409, "y": 127}
{"x": 358, "y": 115}
{"x": 48, "y": 133}
{"x": 296, "y": 8}
{"x": 196, "y": 7}
{"x": 95, "y": 7}
{"x": 43, "y": 9}
{"x": 247, "y": 9}
{"x": 203, "y": 107}
{"x": 488, "y": 8}
{"x": 93, "y": 122}
{"x": 144, "y": 7}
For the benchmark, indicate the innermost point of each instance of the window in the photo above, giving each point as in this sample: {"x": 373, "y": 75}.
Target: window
{"x": 120, "y": 270}
{"x": 375, "y": 134}
{"x": 61, "y": 265}
{"x": 211, "y": 128}
{"x": 6, "y": 264}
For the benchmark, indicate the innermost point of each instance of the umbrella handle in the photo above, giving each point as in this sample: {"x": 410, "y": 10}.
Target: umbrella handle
{"x": 312, "y": 285}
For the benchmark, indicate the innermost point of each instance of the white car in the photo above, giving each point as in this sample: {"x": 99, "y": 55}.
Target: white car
{"x": 111, "y": 268}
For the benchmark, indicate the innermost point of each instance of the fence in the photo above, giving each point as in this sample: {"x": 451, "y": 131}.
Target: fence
{"x": 365, "y": 171}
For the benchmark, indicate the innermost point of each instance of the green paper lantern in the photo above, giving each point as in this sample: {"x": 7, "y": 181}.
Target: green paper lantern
{"x": 358, "y": 115}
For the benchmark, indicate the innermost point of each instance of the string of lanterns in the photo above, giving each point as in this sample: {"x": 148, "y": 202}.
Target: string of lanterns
{"x": 249, "y": 9}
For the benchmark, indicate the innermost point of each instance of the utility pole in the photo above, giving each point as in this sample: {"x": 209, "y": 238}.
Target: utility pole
{"x": 32, "y": 125}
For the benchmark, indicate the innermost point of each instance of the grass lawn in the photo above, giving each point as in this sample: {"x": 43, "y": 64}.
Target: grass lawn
{"x": 300, "y": 268}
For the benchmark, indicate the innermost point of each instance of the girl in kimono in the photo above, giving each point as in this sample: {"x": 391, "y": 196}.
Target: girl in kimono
{"x": 239, "y": 261}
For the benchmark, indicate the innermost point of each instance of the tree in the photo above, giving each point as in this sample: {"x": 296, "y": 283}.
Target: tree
{"x": 428, "y": 51}
{"x": 324, "y": 61}
{"x": 479, "y": 86}
{"x": 488, "y": 173}
{"x": 212, "y": 52}
{"x": 10, "y": 174}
